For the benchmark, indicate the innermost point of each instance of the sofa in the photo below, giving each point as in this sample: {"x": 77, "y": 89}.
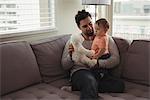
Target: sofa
{"x": 33, "y": 70}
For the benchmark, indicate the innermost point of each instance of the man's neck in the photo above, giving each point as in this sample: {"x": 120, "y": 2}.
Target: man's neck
{"x": 86, "y": 37}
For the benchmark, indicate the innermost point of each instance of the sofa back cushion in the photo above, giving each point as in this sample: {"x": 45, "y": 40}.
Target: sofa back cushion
{"x": 48, "y": 54}
{"x": 137, "y": 64}
{"x": 18, "y": 66}
{"x": 123, "y": 46}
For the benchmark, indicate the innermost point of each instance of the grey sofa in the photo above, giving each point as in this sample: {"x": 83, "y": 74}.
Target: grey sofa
{"x": 33, "y": 71}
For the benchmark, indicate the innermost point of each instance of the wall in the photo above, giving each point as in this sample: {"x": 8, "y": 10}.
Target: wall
{"x": 65, "y": 12}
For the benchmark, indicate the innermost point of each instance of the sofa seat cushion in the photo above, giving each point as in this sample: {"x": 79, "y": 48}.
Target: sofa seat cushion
{"x": 64, "y": 82}
{"x": 41, "y": 92}
{"x": 132, "y": 92}
{"x": 18, "y": 66}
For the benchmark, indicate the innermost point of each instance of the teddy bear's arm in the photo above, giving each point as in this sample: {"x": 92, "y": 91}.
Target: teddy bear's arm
{"x": 77, "y": 44}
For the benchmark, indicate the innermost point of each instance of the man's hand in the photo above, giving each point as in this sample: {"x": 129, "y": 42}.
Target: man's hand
{"x": 71, "y": 49}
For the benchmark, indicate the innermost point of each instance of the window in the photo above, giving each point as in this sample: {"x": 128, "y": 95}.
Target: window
{"x": 26, "y": 15}
{"x": 131, "y": 19}
{"x": 91, "y": 9}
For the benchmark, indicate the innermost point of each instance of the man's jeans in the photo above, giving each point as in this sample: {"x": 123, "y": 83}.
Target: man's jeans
{"x": 89, "y": 84}
{"x": 84, "y": 81}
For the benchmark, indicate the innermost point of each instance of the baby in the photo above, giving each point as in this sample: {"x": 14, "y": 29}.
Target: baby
{"x": 100, "y": 43}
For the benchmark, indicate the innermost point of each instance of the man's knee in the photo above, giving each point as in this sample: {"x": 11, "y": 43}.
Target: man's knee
{"x": 114, "y": 86}
{"x": 90, "y": 81}
{"x": 84, "y": 79}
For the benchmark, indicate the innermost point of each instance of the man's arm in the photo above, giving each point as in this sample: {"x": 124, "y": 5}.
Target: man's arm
{"x": 66, "y": 60}
{"x": 114, "y": 59}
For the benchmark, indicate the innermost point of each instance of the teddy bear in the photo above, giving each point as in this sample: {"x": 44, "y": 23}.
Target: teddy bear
{"x": 81, "y": 54}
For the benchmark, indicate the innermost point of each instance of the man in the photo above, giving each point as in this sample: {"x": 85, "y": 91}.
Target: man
{"x": 83, "y": 77}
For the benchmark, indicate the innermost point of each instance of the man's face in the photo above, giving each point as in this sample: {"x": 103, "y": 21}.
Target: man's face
{"x": 86, "y": 26}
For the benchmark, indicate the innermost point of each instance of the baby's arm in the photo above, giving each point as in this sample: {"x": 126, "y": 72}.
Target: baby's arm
{"x": 99, "y": 53}
{"x": 101, "y": 48}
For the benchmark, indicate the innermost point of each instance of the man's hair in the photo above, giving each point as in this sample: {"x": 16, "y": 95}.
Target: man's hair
{"x": 103, "y": 22}
{"x": 81, "y": 15}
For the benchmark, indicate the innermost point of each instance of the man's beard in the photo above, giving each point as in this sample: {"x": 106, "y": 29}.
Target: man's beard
{"x": 90, "y": 33}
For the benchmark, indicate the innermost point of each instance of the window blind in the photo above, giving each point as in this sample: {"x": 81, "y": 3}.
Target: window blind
{"x": 26, "y": 15}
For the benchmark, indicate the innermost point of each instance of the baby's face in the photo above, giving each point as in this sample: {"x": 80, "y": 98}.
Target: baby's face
{"x": 99, "y": 30}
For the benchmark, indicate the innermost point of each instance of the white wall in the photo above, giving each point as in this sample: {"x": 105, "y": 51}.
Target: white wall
{"x": 66, "y": 11}
{"x": 65, "y": 23}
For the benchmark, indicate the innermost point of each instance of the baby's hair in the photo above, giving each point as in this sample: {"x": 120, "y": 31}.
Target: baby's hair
{"x": 103, "y": 22}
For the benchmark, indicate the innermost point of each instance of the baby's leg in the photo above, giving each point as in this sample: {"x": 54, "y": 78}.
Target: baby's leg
{"x": 88, "y": 61}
